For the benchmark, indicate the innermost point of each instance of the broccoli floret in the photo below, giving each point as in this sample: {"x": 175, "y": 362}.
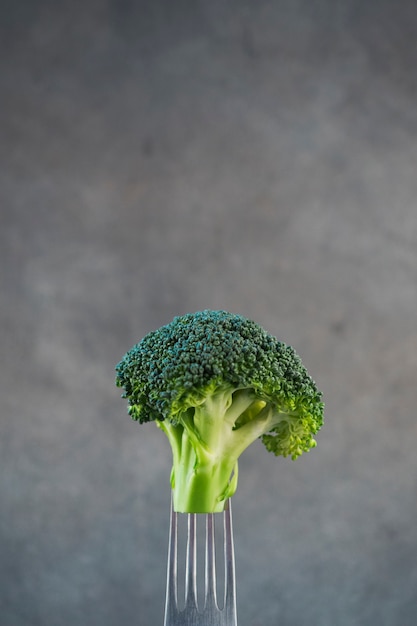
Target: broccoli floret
{"x": 214, "y": 382}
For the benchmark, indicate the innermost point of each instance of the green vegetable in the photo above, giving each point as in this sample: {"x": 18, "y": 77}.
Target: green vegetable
{"x": 214, "y": 382}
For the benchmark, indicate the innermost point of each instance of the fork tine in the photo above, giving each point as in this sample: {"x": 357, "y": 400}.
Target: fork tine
{"x": 229, "y": 564}
{"x": 171, "y": 601}
{"x": 210, "y": 590}
{"x": 191, "y": 564}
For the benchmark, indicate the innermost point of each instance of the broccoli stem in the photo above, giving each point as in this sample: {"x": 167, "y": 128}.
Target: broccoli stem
{"x": 204, "y": 473}
{"x": 202, "y": 488}
{"x": 206, "y": 442}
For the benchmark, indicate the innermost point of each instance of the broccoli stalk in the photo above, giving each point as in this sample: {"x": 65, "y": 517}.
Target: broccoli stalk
{"x": 214, "y": 382}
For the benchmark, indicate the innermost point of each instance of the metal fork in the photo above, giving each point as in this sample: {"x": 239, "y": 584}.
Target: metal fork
{"x": 210, "y": 614}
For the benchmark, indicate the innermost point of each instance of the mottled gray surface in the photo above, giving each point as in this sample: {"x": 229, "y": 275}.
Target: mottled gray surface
{"x": 164, "y": 157}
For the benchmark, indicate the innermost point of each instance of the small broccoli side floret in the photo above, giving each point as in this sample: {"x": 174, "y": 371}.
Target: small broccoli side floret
{"x": 214, "y": 382}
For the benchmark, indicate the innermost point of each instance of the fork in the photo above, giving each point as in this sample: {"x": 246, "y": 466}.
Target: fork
{"x": 210, "y": 614}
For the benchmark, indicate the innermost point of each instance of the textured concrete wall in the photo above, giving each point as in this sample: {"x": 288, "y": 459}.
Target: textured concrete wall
{"x": 164, "y": 157}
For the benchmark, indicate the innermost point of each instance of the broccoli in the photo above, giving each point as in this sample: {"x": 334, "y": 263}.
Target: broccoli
{"x": 214, "y": 382}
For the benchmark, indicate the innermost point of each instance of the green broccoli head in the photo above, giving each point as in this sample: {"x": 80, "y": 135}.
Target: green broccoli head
{"x": 214, "y": 382}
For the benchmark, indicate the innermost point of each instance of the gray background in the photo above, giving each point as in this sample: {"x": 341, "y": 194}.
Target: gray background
{"x": 164, "y": 157}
